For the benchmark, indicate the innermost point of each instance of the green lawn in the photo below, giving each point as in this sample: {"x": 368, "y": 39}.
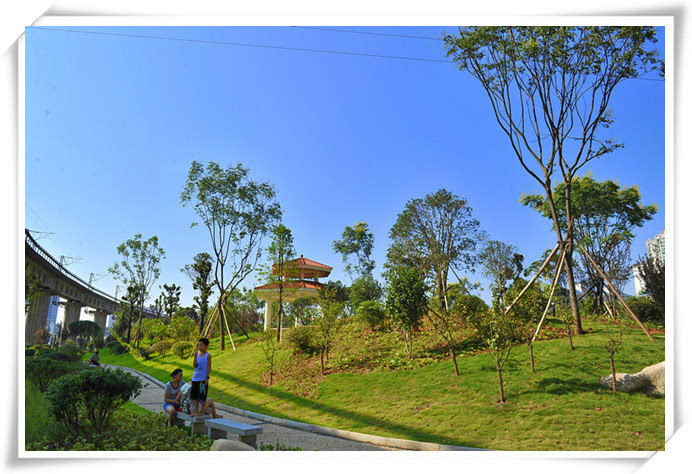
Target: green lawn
{"x": 560, "y": 407}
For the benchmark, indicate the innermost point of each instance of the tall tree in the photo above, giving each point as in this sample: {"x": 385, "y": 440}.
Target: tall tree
{"x": 139, "y": 267}
{"x": 605, "y": 216}
{"x": 406, "y": 302}
{"x": 433, "y": 235}
{"x": 157, "y": 307}
{"x": 653, "y": 272}
{"x": 550, "y": 89}
{"x": 127, "y": 312}
{"x": 355, "y": 247}
{"x": 332, "y": 301}
{"x": 502, "y": 264}
{"x": 279, "y": 270}
{"x": 199, "y": 271}
{"x": 237, "y": 212}
{"x": 171, "y": 299}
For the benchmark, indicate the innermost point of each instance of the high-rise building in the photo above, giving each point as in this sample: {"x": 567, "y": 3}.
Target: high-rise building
{"x": 52, "y": 313}
{"x": 656, "y": 247}
{"x": 655, "y": 250}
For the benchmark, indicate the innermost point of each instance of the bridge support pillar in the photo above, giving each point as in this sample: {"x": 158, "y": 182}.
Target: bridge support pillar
{"x": 100, "y": 318}
{"x": 72, "y": 312}
{"x": 36, "y": 317}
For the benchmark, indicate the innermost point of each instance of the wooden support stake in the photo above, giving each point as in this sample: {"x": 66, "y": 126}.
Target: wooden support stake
{"x": 616, "y": 292}
{"x": 228, "y": 329}
{"x": 552, "y": 291}
{"x": 540, "y": 270}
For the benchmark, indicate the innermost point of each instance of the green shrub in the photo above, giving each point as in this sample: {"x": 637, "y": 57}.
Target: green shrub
{"x": 43, "y": 370}
{"x": 129, "y": 432}
{"x": 162, "y": 347}
{"x": 85, "y": 402}
{"x": 29, "y": 352}
{"x": 302, "y": 339}
{"x": 65, "y": 354}
{"x": 647, "y": 310}
{"x": 182, "y": 349}
{"x": 116, "y": 347}
{"x": 371, "y": 313}
{"x": 141, "y": 353}
{"x": 182, "y": 328}
{"x": 277, "y": 447}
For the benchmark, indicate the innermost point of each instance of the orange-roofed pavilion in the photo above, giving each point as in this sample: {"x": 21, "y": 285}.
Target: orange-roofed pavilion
{"x": 302, "y": 282}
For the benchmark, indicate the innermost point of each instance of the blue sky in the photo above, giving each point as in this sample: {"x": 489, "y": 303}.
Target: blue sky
{"x": 113, "y": 123}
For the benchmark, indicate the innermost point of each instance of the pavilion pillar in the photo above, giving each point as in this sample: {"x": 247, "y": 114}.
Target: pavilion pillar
{"x": 100, "y": 318}
{"x": 36, "y": 317}
{"x": 267, "y": 314}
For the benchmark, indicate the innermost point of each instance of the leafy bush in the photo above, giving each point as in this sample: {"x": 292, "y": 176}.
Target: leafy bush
{"x": 68, "y": 353}
{"x": 29, "y": 352}
{"x": 141, "y": 353}
{"x": 182, "y": 328}
{"x": 85, "y": 402}
{"x": 182, "y": 349}
{"x": 371, "y": 313}
{"x": 130, "y": 432}
{"x": 162, "y": 347}
{"x": 116, "y": 347}
{"x": 302, "y": 339}
{"x": 647, "y": 310}
{"x": 43, "y": 370}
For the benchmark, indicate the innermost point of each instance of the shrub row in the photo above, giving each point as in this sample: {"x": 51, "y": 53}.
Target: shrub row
{"x": 129, "y": 432}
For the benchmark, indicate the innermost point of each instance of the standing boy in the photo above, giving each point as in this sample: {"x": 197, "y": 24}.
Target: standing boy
{"x": 200, "y": 376}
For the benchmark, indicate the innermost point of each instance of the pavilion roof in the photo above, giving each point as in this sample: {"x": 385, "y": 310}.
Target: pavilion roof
{"x": 314, "y": 269}
{"x": 310, "y": 285}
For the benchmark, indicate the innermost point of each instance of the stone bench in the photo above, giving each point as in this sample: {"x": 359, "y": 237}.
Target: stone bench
{"x": 219, "y": 428}
{"x": 196, "y": 423}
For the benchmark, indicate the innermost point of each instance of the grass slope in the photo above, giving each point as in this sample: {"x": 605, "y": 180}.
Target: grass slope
{"x": 560, "y": 407}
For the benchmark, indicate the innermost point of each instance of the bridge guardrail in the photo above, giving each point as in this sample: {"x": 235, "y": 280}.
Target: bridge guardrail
{"x": 29, "y": 240}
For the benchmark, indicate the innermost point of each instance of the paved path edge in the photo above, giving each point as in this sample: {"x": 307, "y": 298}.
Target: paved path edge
{"x": 337, "y": 433}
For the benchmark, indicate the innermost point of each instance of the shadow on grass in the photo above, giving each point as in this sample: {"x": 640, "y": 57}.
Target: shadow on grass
{"x": 400, "y": 430}
{"x": 563, "y": 386}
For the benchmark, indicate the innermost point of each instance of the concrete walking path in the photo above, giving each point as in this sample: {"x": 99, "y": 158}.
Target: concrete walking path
{"x": 151, "y": 398}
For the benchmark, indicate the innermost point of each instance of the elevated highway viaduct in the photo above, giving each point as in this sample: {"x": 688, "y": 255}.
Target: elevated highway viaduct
{"x": 54, "y": 279}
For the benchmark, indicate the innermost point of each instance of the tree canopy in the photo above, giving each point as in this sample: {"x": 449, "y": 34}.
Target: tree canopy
{"x": 605, "y": 216}
{"x": 139, "y": 268}
{"x": 356, "y": 244}
{"x": 199, "y": 271}
{"x": 550, "y": 88}
{"x": 237, "y": 213}
{"x": 435, "y": 234}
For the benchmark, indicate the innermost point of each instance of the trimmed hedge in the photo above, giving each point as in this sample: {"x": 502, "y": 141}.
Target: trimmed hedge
{"x": 85, "y": 402}
{"x": 130, "y": 432}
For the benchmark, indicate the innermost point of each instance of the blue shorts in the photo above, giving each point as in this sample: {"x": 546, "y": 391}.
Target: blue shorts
{"x": 174, "y": 405}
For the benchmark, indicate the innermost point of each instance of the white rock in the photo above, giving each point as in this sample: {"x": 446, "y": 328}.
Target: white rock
{"x": 230, "y": 445}
{"x": 651, "y": 380}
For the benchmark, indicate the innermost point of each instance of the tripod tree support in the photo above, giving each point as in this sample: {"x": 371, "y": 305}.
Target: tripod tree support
{"x": 538, "y": 273}
{"x": 616, "y": 292}
{"x": 550, "y": 297}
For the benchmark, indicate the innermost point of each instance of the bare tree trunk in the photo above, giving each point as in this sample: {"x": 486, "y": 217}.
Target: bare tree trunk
{"x": 569, "y": 333}
{"x": 533, "y": 369}
{"x": 612, "y": 369}
{"x": 454, "y": 359}
{"x": 322, "y": 361}
{"x": 574, "y": 304}
{"x": 502, "y": 388}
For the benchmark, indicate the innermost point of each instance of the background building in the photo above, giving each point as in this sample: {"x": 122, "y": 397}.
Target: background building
{"x": 656, "y": 250}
